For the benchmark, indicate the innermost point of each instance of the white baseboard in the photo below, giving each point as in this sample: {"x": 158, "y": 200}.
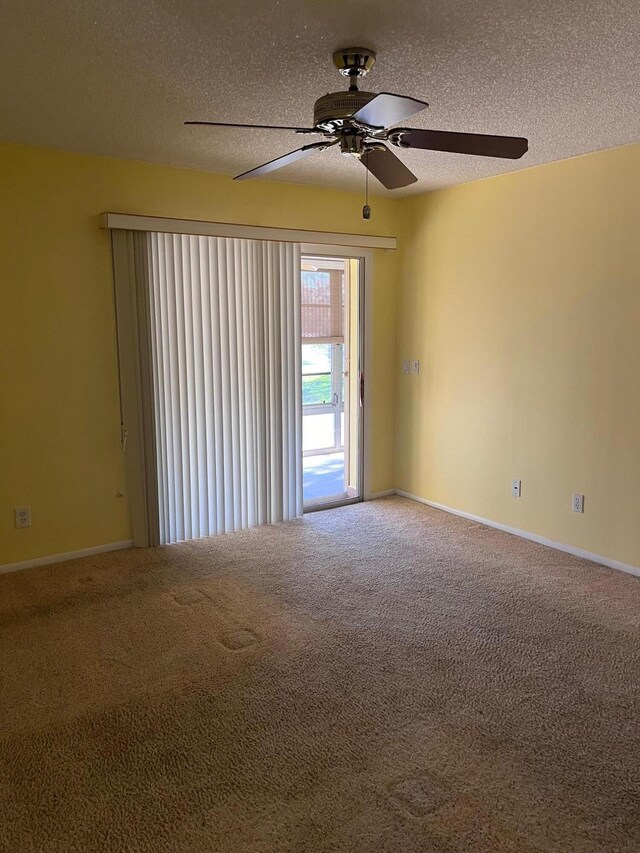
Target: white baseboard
{"x": 69, "y": 555}
{"x": 524, "y": 534}
{"x": 387, "y": 493}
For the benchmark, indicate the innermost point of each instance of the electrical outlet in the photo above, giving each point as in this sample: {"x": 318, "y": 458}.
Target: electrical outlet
{"x": 577, "y": 503}
{"x": 516, "y": 488}
{"x": 23, "y": 516}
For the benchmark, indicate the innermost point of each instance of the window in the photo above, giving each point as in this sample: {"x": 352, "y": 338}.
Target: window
{"x": 323, "y": 354}
{"x": 316, "y": 374}
{"x": 323, "y": 367}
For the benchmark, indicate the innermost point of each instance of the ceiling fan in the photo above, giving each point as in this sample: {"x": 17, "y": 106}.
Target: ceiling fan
{"x": 361, "y": 122}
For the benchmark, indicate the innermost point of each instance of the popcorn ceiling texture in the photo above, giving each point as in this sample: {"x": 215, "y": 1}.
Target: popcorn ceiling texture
{"x": 119, "y": 78}
{"x": 383, "y": 678}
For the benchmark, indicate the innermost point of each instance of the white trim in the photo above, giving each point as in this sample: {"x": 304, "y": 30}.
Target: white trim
{"x": 367, "y": 431}
{"x": 69, "y": 555}
{"x": 131, "y": 222}
{"x": 358, "y": 250}
{"x": 385, "y": 494}
{"x": 525, "y": 534}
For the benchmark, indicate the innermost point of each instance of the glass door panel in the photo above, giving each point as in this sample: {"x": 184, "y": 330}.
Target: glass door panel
{"x": 330, "y": 370}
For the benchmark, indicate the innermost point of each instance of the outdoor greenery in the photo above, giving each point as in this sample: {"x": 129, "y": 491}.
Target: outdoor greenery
{"x": 316, "y": 389}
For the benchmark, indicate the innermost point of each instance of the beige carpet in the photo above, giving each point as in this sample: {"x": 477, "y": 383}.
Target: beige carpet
{"x": 382, "y": 677}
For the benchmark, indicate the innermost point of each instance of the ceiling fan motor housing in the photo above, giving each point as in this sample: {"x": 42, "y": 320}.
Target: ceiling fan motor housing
{"x": 332, "y": 111}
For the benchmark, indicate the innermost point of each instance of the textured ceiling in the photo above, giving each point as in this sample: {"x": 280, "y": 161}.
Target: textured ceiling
{"x": 120, "y": 77}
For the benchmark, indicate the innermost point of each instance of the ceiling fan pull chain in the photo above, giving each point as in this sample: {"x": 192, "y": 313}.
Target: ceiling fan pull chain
{"x": 366, "y": 210}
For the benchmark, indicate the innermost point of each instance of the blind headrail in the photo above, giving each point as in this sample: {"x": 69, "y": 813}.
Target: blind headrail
{"x": 135, "y": 222}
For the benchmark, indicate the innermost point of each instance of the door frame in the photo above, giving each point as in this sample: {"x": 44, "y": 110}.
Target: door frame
{"x": 365, "y": 285}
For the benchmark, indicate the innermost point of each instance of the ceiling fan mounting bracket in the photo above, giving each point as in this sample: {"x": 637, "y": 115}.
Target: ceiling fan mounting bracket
{"x": 354, "y": 62}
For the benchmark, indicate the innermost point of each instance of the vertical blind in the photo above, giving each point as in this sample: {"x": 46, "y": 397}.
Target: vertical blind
{"x": 223, "y": 403}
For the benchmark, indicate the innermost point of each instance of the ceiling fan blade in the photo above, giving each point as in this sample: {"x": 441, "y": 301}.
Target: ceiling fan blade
{"x": 387, "y": 168}
{"x": 285, "y": 160}
{"x": 511, "y": 147}
{"x": 387, "y": 109}
{"x": 255, "y": 126}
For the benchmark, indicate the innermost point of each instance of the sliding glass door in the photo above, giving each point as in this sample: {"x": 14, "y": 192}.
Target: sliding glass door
{"x": 331, "y": 380}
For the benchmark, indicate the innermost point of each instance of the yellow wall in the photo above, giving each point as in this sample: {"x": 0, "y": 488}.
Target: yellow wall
{"x": 521, "y": 296}
{"x": 59, "y": 417}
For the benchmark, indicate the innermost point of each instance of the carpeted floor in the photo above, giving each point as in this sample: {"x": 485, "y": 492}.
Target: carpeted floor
{"x": 383, "y": 677}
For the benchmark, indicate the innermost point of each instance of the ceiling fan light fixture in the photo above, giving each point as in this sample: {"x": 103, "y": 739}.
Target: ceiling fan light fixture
{"x": 352, "y": 143}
